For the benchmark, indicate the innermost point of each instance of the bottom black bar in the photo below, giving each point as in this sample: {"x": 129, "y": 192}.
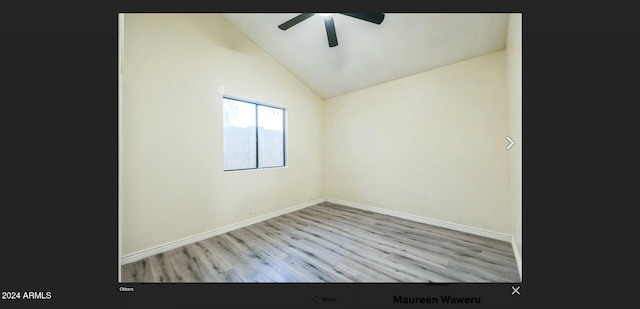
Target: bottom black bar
{"x": 321, "y": 295}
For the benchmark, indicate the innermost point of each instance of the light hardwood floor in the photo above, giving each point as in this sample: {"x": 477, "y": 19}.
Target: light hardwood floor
{"x": 333, "y": 243}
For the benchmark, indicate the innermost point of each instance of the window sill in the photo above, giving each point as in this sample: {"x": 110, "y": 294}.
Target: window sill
{"x": 256, "y": 169}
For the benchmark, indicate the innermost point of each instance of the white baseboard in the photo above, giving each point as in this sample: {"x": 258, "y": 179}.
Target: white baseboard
{"x": 440, "y": 223}
{"x": 518, "y": 256}
{"x": 192, "y": 239}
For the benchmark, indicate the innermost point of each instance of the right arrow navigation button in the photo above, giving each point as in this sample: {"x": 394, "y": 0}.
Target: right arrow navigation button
{"x": 510, "y": 142}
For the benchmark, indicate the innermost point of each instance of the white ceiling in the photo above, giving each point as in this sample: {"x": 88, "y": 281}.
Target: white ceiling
{"x": 369, "y": 54}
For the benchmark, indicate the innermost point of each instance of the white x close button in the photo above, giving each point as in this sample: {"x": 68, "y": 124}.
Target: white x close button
{"x": 515, "y": 290}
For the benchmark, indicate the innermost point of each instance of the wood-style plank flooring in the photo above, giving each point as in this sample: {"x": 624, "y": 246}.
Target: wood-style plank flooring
{"x": 332, "y": 243}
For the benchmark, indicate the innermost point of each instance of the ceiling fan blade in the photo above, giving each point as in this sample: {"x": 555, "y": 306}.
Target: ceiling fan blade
{"x": 375, "y": 18}
{"x": 331, "y": 31}
{"x": 294, "y": 21}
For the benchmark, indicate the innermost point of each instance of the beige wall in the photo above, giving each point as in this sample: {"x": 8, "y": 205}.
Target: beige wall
{"x": 514, "y": 99}
{"x": 176, "y": 68}
{"x": 431, "y": 145}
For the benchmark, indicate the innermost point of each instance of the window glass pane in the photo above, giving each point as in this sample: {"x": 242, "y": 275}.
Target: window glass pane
{"x": 239, "y": 138}
{"x": 270, "y": 136}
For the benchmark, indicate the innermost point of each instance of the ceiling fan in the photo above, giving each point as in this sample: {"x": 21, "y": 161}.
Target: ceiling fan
{"x": 375, "y": 18}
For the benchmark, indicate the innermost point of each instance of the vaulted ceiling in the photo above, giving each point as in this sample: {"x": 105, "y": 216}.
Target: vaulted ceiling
{"x": 369, "y": 54}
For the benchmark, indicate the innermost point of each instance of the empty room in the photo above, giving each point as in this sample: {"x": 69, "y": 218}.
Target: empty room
{"x": 317, "y": 147}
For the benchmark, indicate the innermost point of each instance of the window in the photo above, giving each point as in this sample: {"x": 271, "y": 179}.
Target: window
{"x": 253, "y": 135}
